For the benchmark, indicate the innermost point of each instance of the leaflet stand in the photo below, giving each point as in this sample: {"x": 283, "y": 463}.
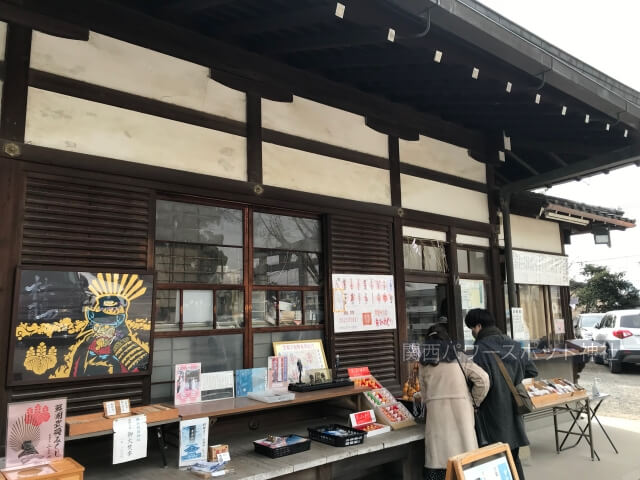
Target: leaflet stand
{"x": 117, "y": 408}
{"x": 473, "y": 464}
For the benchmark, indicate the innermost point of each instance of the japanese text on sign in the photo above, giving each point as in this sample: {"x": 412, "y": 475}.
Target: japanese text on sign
{"x": 363, "y": 302}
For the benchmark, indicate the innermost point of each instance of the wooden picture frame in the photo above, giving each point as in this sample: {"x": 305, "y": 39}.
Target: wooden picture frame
{"x": 310, "y": 351}
{"x": 461, "y": 467}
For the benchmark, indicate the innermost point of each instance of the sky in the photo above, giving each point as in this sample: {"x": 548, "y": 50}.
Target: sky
{"x": 604, "y": 35}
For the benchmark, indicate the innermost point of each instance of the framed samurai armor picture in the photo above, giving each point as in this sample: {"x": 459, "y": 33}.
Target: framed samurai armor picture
{"x": 73, "y": 325}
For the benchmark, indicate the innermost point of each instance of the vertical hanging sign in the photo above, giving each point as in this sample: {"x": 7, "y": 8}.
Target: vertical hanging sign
{"x": 129, "y": 438}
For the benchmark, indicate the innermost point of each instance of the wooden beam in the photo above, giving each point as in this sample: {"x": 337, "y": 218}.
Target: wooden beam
{"x": 557, "y": 159}
{"x": 522, "y": 162}
{"x": 353, "y": 37}
{"x": 394, "y": 172}
{"x": 244, "y": 84}
{"x": 278, "y": 21}
{"x": 123, "y": 23}
{"x": 192, "y": 6}
{"x": 96, "y": 93}
{"x": 13, "y": 112}
{"x": 559, "y": 146}
{"x": 14, "y": 14}
{"x": 590, "y": 166}
{"x": 254, "y": 138}
{"x": 441, "y": 177}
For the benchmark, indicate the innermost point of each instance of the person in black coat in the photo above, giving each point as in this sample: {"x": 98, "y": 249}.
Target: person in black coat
{"x": 498, "y": 411}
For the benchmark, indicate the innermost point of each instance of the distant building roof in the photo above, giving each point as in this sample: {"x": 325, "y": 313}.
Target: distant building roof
{"x": 581, "y": 217}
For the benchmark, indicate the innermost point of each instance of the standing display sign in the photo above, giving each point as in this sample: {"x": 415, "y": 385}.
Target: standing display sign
{"x": 194, "y": 440}
{"x": 493, "y": 462}
{"x": 363, "y": 302}
{"x": 302, "y": 356}
{"x": 187, "y": 384}
{"x": 277, "y": 373}
{"x": 129, "y": 438}
{"x": 217, "y": 385}
{"x": 35, "y": 432}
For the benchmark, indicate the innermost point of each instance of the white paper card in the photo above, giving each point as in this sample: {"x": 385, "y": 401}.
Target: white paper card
{"x": 124, "y": 406}
{"x": 224, "y": 457}
{"x": 111, "y": 408}
{"x": 217, "y": 380}
{"x": 129, "y": 438}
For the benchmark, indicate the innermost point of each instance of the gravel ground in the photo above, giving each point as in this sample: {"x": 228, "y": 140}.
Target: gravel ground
{"x": 624, "y": 389}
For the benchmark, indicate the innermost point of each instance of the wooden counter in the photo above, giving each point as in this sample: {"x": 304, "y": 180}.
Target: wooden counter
{"x": 239, "y": 405}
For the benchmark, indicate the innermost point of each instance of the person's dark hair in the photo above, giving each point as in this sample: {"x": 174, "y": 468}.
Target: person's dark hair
{"x": 438, "y": 347}
{"x": 479, "y": 316}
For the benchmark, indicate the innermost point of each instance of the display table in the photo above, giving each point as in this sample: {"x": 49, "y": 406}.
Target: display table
{"x": 406, "y": 447}
{"x": 96, "y": 425}
{"x": 242, "y": 405}
{"x": 576, "y": 409}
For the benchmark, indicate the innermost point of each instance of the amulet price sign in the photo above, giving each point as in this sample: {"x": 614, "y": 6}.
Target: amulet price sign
{"x": 363, "y": 302}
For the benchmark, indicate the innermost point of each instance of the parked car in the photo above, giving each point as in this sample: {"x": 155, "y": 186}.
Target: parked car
{"x": 585, "y": 325}
{"x": 619, "y": 332}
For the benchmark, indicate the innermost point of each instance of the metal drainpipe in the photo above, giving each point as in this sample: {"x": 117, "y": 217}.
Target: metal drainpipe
{"x": 505, "y": 201}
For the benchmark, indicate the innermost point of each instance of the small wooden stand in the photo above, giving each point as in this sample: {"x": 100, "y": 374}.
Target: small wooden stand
{"x": 63, "y": 469}
{"x": 457, "y": 465}
{"x": 96, "y": 422}
{"x": 117, "y": 408}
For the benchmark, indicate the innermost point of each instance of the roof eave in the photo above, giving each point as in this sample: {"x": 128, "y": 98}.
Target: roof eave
{"x": 467, "y": 20}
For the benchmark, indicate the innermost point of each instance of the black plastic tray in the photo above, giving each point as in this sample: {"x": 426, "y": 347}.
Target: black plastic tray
{"x": 355, "y": 438}
{"x": 284, "y": 450}
{"x": 309, "y": 387}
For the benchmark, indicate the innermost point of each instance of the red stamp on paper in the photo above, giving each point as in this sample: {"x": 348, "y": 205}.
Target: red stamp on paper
{"x": 366, "y": 318}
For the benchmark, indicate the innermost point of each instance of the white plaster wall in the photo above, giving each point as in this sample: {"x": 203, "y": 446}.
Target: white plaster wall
{"x": 429, "y": 196}
{"x": 68, "y": 123}
{"x": 473, "y": 241}
{"x": 315, "y": 121}
{"x": 3, "y": 38}
{"x": 442, "y": 157}
{"x": 534, "y": 234}
{"x": 424, "y": 233}
{"x": 308, "y": 172}
{"x": 122, "y": 66}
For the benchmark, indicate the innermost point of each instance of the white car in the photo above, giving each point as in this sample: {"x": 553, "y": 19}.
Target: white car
{"x": 585, "y": 325}
{"x": 619, "y": 332}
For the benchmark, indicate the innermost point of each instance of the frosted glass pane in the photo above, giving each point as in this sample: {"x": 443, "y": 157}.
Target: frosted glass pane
{"x": 197, "y": 309}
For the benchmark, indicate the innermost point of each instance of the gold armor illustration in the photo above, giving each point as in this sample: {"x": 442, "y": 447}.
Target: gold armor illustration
{"x": 106, "y": 341}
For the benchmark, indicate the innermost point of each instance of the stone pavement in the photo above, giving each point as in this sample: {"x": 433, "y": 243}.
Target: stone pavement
{"x": 545, "y": 464}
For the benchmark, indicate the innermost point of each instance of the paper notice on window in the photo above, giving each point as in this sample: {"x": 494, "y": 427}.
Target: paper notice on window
{"x": 558, "y": 323}
{"x": 363, "y": 302}
{"x": 129, "y": 438}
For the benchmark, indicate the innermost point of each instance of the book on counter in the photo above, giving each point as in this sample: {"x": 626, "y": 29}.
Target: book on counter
{"x": 272, "y": 396}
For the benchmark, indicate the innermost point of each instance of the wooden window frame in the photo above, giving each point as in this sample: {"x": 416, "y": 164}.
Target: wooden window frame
{"x": 247, "y": 286}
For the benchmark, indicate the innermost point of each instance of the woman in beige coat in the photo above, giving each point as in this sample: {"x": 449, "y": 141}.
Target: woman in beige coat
{"x": 450, "y": 428}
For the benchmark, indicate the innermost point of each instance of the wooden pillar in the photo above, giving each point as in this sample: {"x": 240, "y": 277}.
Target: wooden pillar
{"x": 12, "y": 127}
{"x": 254, "y": 138}
{"x": 11, "y": 193}
{"x": 497, "y": 290}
